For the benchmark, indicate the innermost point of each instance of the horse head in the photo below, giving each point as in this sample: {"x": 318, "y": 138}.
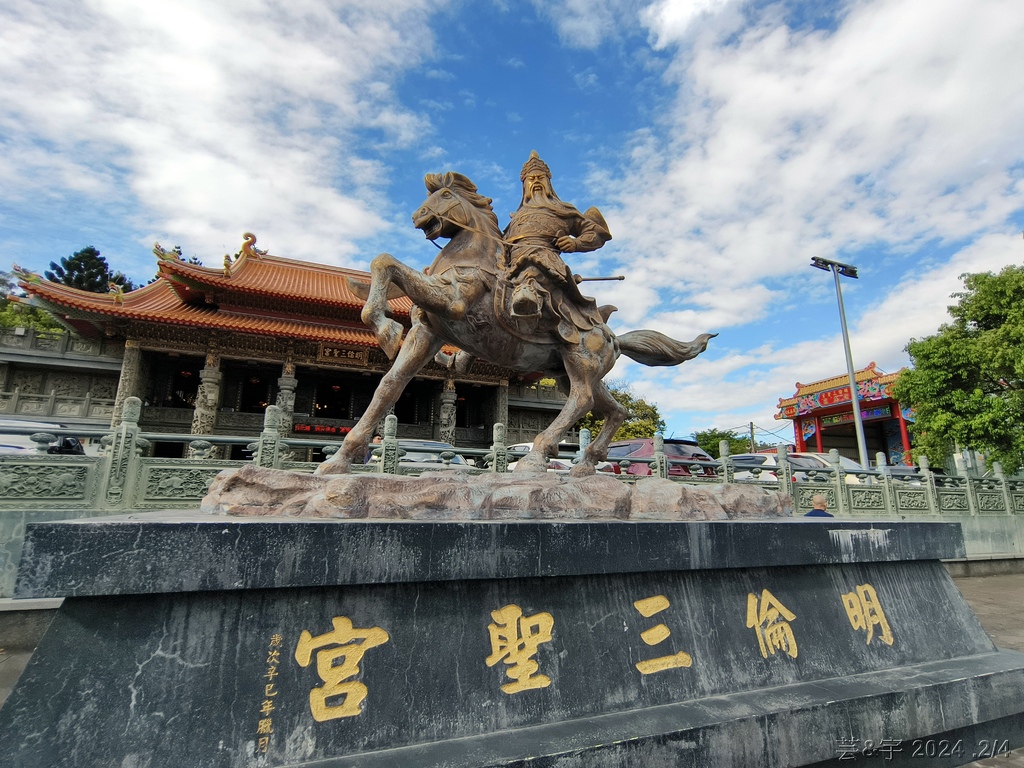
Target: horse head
{"x": 454, "y": 205}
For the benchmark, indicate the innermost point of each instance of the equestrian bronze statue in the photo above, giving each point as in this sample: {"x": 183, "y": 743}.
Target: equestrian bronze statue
{"x": 508, "y": 299}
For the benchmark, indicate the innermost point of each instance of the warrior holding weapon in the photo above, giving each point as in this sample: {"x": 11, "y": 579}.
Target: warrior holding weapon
{"x": 538, "y": 233}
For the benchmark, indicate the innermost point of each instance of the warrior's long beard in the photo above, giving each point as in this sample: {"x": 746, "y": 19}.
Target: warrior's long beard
{"x": 542, "y": 199}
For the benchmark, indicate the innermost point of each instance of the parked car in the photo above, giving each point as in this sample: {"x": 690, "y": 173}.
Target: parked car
{"x": 22, "y": 443}
{"x": 911, "y": 475}
{"x": 6, "y": 448}
{"x": 755, "y": 466}
{"x": 675, "y": 450}
{"x": 558, "y": 464}
{"x": 425, "y": 455}
{"x": 799, "y": 460}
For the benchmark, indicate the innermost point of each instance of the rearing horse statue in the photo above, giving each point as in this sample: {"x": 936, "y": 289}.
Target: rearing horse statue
{"x": 455, "y": 303}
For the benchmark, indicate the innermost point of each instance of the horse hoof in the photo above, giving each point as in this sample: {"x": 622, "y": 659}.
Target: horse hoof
{"x": 389, "y": 336}
{"x": 531, "y": 463}
{"x": 583, "y": 469}
{"x": 336, "y": 467}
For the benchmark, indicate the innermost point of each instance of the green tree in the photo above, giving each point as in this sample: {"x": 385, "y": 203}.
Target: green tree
{"x": 87, "y": 270}
{"x": 709, "y": 439}
{"x": 14, "y": 314}
{"x": 967, "y": 381}
{"x": 643, "y": 419}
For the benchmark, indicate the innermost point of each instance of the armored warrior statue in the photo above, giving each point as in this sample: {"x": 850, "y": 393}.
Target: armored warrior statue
{"x": 540, "y": 231}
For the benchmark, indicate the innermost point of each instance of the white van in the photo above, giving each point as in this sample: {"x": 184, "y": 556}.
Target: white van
{"x": 21, "y": 443}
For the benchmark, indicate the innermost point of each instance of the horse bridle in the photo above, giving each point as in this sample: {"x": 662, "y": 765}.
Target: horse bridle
{"x": 444, "y": 217}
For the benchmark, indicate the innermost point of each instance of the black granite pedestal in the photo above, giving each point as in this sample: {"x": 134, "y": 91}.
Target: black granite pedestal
{"x": 190, "y": 640}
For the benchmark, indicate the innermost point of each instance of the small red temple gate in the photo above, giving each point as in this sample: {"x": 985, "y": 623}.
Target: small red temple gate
{"x": 822, "y": 416}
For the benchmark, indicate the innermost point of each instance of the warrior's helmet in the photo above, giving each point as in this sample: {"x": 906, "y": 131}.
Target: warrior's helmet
{"x": 534, "y": 165}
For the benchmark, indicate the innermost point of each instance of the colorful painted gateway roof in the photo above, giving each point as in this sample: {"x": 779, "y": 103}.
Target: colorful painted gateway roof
{"x": 872, "y": 384}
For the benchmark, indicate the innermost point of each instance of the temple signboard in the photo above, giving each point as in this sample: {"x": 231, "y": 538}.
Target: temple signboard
{"x": 333, "y": 353}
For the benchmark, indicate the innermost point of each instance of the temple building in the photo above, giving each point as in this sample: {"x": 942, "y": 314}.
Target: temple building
{"x": 208, "y": 349}
{"x": 822, "y": 416}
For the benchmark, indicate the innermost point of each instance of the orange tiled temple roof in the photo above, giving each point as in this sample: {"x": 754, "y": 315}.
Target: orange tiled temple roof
{"x": 158, "y": 302}
{"x": 260, "y": 274}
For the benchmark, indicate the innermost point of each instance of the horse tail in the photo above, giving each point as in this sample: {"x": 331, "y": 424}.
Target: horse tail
{"x": 654, "y": 348}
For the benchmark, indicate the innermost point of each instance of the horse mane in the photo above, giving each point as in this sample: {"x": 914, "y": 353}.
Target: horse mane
{"x": 465, "y": 188}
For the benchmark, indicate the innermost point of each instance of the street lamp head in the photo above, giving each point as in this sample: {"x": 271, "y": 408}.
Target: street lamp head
{"x": 846, "y": 270}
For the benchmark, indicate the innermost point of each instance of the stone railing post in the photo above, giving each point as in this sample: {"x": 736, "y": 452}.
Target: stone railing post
{"x": 660, "y": 465}
{"x": 268, "y": 448}
{"x": 928, "y": 479}
{"x": 842, "y": 497}
{"x": 584, "y": 443}
{"x": 120, "y": 458}
{"x": 389, "y": 446}
{"x": 499, "y": 451}
{"x": 888, "y": 489}
{"x": 1000, "y": 478}
{"x": 728, "y": 469}
{"x": 785, "y": 473}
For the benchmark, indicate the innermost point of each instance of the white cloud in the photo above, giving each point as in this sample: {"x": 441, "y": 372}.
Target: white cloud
{"x": 899, "y": 127}
{"x": 671, "y": 19}
{"x": 897, "y": 132}
{"x": 217, "y": 118}
{"x": 587, "y": 23}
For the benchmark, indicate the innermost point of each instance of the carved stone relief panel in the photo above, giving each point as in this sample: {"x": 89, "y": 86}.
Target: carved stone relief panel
{"x": 84, "y": 347}
{"x": 67, "y": 383}
{"x": 103, "y": 387}
{"x": 48, "y": 343}
{"x": 27, "y": 382}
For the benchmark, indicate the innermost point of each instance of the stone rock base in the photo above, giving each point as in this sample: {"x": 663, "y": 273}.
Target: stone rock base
{"x": 456, "y": 495}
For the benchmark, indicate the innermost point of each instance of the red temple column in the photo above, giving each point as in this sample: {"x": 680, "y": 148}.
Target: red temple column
{"x": 798, "y": 431}
{"x": 817, "y": 433}
{"x": 904, "y": 435}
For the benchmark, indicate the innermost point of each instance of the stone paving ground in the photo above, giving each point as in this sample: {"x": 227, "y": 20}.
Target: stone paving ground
{"x": 998, "y": 602}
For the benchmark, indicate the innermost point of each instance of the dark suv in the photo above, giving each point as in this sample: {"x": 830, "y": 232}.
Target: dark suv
{"x": 675, "y": 450}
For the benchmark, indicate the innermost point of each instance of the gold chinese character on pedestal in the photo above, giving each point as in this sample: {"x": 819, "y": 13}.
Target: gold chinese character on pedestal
{"x": 770, "y": 620}
{"x": 350, "y": 645}
{"x": 865, "y": 612}
{"x": 647, "y": 607}
{"x": 514, "y": 640}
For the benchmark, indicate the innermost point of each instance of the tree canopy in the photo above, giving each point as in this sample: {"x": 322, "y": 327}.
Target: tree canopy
{"x": 709, "y": 439}
{"x": 643, "y": 419}
{"x": 87, "y": 270}
{"x": 15, "y": 314}
{"x": 967, "y": 383}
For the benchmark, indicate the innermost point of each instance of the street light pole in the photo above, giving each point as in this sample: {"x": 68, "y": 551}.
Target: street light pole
{"x": 847, "y": 270}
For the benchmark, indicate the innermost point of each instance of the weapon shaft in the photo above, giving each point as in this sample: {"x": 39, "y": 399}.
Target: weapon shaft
{"x": 593, "y": 279}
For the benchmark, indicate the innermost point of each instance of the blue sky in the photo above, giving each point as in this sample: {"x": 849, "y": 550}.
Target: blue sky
{"x": 726, "y": 142}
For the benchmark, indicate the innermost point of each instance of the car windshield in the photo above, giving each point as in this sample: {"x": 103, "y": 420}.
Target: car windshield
{"x": 807, "y": 462}
{"x": 620, "y": 450}
{"x": 429, "y": 457}
{"x": 683, "y": 451}
{"x": 750, "y": 459}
